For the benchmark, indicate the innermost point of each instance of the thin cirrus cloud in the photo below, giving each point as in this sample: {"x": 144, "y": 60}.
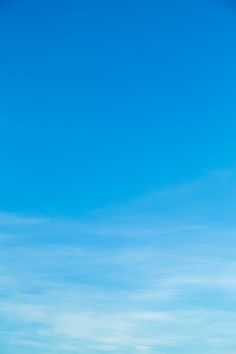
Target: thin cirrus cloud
{"x": 144, "y": 277}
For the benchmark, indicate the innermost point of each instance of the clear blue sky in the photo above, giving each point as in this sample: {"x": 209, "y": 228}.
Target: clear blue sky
{"x": 117, "y": 176}
{"x": 104, "y": 100}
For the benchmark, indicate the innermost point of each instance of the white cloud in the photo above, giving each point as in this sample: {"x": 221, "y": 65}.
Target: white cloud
{"x": 119, "y": 283}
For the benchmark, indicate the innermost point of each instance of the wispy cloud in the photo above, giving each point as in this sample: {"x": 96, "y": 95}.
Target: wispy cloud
{"x": 117, "y": 284}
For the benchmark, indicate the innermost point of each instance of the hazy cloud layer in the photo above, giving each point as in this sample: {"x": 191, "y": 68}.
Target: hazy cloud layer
{"x": 136, "y": 279}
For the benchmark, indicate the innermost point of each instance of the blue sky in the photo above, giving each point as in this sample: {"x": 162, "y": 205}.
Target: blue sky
{"x": 117, "y": 180}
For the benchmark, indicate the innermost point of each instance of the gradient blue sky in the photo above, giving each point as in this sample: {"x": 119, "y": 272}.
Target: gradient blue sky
{"x": 104, "y": 100}
{"x": 117, "y": 178}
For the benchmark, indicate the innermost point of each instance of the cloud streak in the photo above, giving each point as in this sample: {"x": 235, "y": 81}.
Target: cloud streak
{"x": 155, "y": 283}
